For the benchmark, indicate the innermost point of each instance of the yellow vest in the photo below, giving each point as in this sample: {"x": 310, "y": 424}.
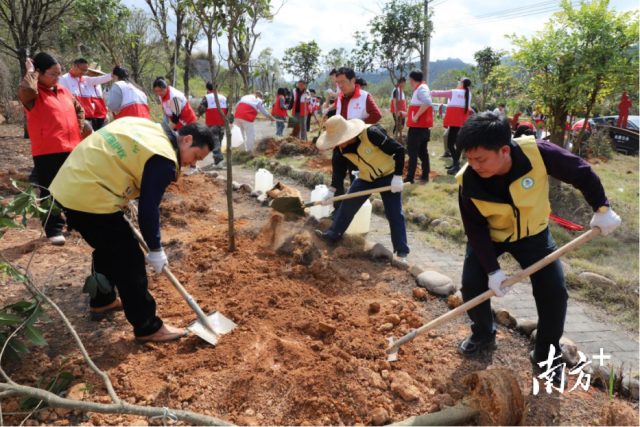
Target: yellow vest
{"x": 105, "y": 170}
{"x": 529, "y": 214}
{"x": 372, "y": 162}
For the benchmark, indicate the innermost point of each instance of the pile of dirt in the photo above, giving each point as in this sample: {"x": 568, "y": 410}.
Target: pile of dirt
{"x": 290, "y": 146}
{"x": 321, "y": 164}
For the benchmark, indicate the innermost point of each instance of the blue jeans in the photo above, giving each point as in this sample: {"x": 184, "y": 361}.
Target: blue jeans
{"x": 280, "y": 125}
{"x": 392, "y": 208}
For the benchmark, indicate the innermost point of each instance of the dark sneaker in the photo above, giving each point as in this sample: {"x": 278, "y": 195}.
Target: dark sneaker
{"x": 325, "y": 236}
{"x": 473, "y": 344}
{"x": 454, "y": 170}
{"x": 448, "y": 167}
{"x": 446, "y": 156}
{"x": 558, "y": 370}
{"x": 408, "y": 180}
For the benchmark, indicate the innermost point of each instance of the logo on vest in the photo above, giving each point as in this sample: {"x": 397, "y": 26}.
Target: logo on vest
{"x": 367, "y": 151}
{"x": 527, "y": 182}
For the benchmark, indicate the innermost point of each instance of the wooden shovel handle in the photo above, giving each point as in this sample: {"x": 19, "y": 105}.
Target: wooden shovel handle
{"x": 354, "y": 195}
{"x": 488, "y": 294}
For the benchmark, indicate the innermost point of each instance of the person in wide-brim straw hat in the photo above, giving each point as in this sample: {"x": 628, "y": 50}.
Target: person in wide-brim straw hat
{"x": 95, "y": 68}
{"x": 380, "y": 162}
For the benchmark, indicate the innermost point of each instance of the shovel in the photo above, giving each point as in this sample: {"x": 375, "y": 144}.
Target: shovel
{"x": 392, "y": 350}
{"x": 294, "y": 205}
{"x": 208, "y": 327}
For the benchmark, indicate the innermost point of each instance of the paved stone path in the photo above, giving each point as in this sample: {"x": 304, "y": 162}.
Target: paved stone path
{"x": 582, "y": 326}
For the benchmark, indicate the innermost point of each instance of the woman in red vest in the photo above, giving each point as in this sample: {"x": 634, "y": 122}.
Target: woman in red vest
{"x": 55, "y": 121}
{"x": 125, "y": 98}
{"x": 279, "y": 111}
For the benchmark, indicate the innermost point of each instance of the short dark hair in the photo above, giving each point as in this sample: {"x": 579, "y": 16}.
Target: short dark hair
{"x": 347, "y": 72}
{"x": 401, "y": 80}
{"x": 360, "y": 81}
{"x": 80, "y": 61}
{"x": 486, "y": 130}
{"x": 333, "y": 72}
{"x": 43, "y": 61}
{"x": 159, "y": 82}
{"x": 416, "y": 75}
{"x": 210, "y": 86}
{"x": 282, "y": 91}
{"x": 302, "y": 81}
{"x": 501, "y": 105}
{"x": 201, "y": 133}
{"x": 121, "y": 72}
{"x": 312, "y": 90}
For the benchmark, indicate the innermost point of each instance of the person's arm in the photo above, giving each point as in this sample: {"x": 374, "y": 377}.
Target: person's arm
{"x": 158, "y": 173}
{"x": 388, "y": 145}
{"x": 176, "y": 109}
{"x": 98, "y": 80}
{"x": 374, "y": 112}
{"x": 79, "y": 113}
{"x": 441, "y": 94}
{"x": 114, "y": 100}
{"x": 573, "y": 170}
{"x": 28, "y": 90}
{"x": 202, "y": 108}
{"x": 264, "y": 111}
{"x": 476, "y": 227}
{"x": 283, "y": 104}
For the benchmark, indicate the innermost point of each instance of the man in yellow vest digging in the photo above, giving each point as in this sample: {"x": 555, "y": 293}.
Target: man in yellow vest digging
{"x": 504, "y": 204}
{"x": 380, "y": 160}
{"x": 129, "y": 158}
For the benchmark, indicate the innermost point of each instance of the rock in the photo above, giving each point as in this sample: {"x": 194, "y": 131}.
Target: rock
{"x": 402, "y": 384}
{"x": 263, "y": 199}
{"x": 385, "y": 374}
{"x": 629, "y": 387}
{"x": 526, "y": 326}
{"x": 212, "y": 174}
{"x": 420, "y": 219}
{"x": 435, "y": 222}
{"x": 569, "y": 354}
{"x": 442, "y": 400}
{"x": 415, "y": 270}
{"x": 428, "y": 357}
{"x": 533, "y": 335}
{"x": 374, "y": 379}
{"x": 221, "y": 179}
{"x": 326, "y": 328}
{"x": 566, "y": 341}
{"x": 44, "y": 415}
{"x": 454, "y": 300}
{"x": 386, "y": 327}
{"x": 75, "y": 393}
{"x": 283, "y": 170}
{"x": 365, "y": 276}
{"x": 377, "y": 205}
{"x": 374, "y": 307}
{"x": 419, "y": 293}
{"x": 505, "y": 318}
{"x": 246, "y": 188}
{"x": 379, "y": 417}
{"x": 316, "y": 346}
{"x": 12, "y": 171}
{"x": 394, "y": 319}
{"x": 235, "y": 185}
{"x": 378, "y": 251}
{"x": 256, "y": 193}
{"x": 444, "y": 225}
{"x": 436, "y": 283}
{"x": 596, "y": 280}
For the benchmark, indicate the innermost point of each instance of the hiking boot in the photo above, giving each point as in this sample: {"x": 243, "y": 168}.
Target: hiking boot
{"x": 474, "y": 343}
{"x": 454, "y": 170}
{"x": 558, "y": 374}
{"x": 57, "y": 240}
{"x": 99, "y": 313}
{"x": 325, "y": 236}
{"x": 446, "y": 156}
{"x": 165, "y": 334}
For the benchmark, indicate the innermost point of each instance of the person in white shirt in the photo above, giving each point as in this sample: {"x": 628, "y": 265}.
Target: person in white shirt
{"x": 500, "y": 111}
{"x": 246, "y": 112}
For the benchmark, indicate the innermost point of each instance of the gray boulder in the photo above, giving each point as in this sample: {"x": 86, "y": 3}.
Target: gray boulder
{"x": 436, "y": 283}
{"x": 596, "y": 280}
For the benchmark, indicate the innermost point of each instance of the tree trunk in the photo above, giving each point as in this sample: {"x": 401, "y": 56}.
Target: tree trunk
{"x": 557, "y": 127}
{"x": 592, "y": 101}
{"x": 187, "y": 72}
{"x": 456, "y": 415}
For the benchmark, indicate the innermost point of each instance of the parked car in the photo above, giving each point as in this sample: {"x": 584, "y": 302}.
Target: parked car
{"x": 627, "y": 144}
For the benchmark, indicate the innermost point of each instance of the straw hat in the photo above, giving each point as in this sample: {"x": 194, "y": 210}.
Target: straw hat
{"x": 95, "y": 68}
{"x": 338, "y": 131}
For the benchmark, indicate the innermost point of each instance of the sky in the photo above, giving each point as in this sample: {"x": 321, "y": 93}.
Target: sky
{"x": 331, "y": 23}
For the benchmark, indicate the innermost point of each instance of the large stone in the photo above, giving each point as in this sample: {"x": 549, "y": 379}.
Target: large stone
{"x": 245, "y": 188}
{"x": 436, "y": 283}
{"x": 630, "y": 387}
{"x": 436, "y": 222}
{"x": 569, "y": 354}
{"x": 379, "y": 417}
{"x": 403, "y": 384}
{"x": 378, "y": 251}
{"x": 415, "y": 270}
{"x": 420, "y": 219}
{"x": 505, "y": 318}
{"x": 444, "y": 225}
{"x": 236, "y": 185}
{"x": 526, "y": 326}
{"x": 596, "y": 280}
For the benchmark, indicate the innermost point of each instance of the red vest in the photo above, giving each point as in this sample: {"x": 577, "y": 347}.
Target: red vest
{"x": 99, "y": 106}
{"x": 457, "y": 112}
{"x": 304, "y": 106}
{"x": 277, "y": 110}
{"x": 426, "y": 119}
{"x": 402, "y": 103}
{"x": 187, "y": 116}
{"x": 134, "y": 102}
{"x": 52, "y": 122}
{"x": 212, "y": 116}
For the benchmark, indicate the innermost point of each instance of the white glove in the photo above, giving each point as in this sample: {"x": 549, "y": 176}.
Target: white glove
{"x": 495, "y": 280}
{"x": 157, "y": 260}
{"x": 396, "y": 184}
{"x": 606, "y": 222}
{"x": 325, "y": 199}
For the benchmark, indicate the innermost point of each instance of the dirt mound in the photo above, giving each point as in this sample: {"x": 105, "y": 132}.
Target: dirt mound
{"x": 321, "y": 164}
{"x": 271, "y": 234}
{"x": 289, "y": 146}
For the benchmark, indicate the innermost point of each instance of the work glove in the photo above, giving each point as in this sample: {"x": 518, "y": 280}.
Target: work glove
{"x": 325, "y": 199}
{"x": 157, "y": 260}
{"x": 606, "y": 221}
{"x": 495, "y": 280}
{"x": 396, "y": 184}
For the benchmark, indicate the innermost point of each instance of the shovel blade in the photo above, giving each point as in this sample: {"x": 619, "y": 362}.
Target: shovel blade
{"x": 291, "y": 205}
{"x": 393, "y": 356}
{"x": 220, "y": 324}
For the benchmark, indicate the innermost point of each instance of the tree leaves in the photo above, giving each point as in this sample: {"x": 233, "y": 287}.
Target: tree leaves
{"x": 96, "y": 283}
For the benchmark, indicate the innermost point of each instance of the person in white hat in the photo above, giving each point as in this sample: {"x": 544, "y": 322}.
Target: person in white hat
{"x": 380, "y": 160}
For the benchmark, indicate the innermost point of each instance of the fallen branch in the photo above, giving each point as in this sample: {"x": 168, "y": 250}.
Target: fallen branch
{"x": 56, "y": 401}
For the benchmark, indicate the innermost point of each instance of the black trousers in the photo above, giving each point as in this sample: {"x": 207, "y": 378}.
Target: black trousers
{"x": 417, "y": 140}
{"x": 451, "y": 143}
{"x": 309, "y": 122}
{"x": 549, "y": 290}
{"x": 47, "y": 167}
{"x": 119, "y": 257}
{"x": 96, "y": 124}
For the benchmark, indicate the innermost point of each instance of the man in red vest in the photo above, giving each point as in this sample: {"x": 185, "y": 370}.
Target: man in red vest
{"x": 209, "y": 108}
{"x": 353, "y": 102}
{"x": 419, "y": 122}
{"x": 299, "y": 107}
{"x": 397, "y": 98}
